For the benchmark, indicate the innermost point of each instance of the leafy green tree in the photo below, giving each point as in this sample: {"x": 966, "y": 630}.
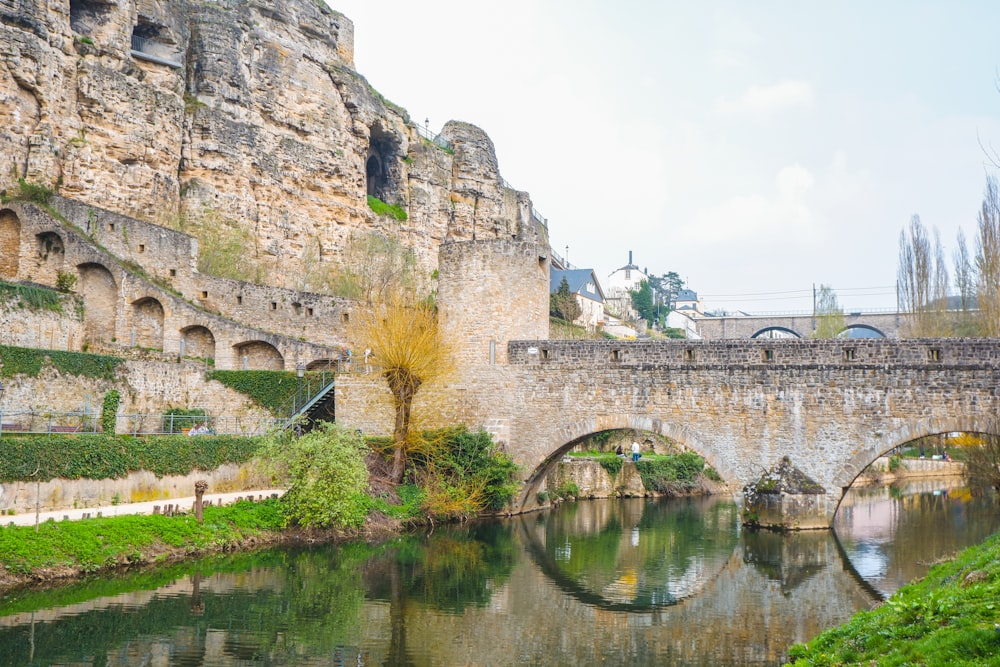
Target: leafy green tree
{"x": 327, "y": 475}
{"x": 642, "y": 302}
{"x": 829, "y": 316}
{"x": 665, "y": 289}
{"x": 563, "y": 303}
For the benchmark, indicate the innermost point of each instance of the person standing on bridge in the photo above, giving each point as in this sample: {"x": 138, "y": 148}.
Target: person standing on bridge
{"x": 635, "y": 451}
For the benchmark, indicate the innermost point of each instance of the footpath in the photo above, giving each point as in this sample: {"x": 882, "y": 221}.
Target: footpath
{"x": 121, "y": 509}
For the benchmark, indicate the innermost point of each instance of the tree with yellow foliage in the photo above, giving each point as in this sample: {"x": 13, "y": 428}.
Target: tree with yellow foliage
{"x": 403, "y": 336}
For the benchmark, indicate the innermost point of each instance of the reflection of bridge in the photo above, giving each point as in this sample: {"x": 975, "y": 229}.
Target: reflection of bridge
{"x": 830, "y": 406}
{"x": 857, "y": 325}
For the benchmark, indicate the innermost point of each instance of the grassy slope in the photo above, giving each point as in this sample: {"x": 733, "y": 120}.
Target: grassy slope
{"x": 69, "y": 548}
{"x": 948, "y": 618}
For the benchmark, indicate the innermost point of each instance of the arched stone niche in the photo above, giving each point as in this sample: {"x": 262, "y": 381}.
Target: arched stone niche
{"x": 258, "y": 355}
{"x": 10, "y": 244}
{"x": 50, "y": 256}
{"x": 147, "y": 323}
{"x": 99, "y": 290}
{"x": 197, "y": 341}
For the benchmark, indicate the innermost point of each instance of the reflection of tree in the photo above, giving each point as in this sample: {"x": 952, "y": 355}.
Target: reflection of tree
{"x": 450, "y": 570}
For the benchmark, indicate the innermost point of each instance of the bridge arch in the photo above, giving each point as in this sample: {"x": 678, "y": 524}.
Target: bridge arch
{"x": 982, "y": 423}
{"x": 861, "y": 331}
{"x": 777, "y": 332}
{"x": 571, "y": 434}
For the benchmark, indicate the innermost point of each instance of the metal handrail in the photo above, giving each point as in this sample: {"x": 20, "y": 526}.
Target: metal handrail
{"x": 435, "y": 139}
{"x": 310, "y": 386}
{"x": 37, "y": 421}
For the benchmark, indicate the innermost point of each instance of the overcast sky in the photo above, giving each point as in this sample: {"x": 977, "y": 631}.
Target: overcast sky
{"x": 755, "y": 148}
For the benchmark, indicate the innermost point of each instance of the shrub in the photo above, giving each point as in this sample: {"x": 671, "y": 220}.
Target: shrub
{"x": 65, "y": 281}
{"x": 327, "y": 474}
{"x": 670, "y": 474}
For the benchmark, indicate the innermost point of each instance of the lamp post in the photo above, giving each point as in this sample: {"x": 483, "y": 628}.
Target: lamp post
{"x": 300, "y": 371}
{"x": 1, "y": 407}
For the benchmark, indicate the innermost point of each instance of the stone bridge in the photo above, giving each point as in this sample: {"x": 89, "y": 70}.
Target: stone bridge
{"x": 831, "y": 407}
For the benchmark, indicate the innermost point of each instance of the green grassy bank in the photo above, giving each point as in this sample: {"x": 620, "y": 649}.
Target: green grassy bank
{"x": 949, "y": 618}
{"x": 70, "y": 548}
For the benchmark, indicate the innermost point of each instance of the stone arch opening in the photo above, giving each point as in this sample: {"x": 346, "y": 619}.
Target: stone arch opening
{"x": 10, "y": 244}
{"x": 776, "y": 332}
{"x": 51, "y": 253}
{"x": 99, "y": 290}
{"x": 198, "y": 342}
{"x": 860, "y": 331}
{"x": 258, "y": 355}
{"x": 383, "y": 173}
{"x": 541, "y": 465}
{"x": 322, "y": 365}
{"x": 147, "y": 323}
{"x": 927, "y": 430}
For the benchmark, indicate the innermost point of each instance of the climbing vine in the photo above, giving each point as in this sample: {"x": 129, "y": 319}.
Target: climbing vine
{"x": 269, "y": 389}
{"x": 29, "y": 361}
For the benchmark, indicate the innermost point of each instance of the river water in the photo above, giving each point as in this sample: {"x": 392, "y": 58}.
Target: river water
{"x": 629, "y": 582}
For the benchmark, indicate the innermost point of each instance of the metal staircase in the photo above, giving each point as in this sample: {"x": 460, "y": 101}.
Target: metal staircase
{"x": 313, "y": 399}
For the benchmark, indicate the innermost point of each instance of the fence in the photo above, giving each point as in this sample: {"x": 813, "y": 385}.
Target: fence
{"x": 33, "y": 421}
{"x": 435, "y": 139}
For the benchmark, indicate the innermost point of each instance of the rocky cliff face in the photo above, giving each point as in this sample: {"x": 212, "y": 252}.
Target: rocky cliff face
{"x": 245, "y": 111}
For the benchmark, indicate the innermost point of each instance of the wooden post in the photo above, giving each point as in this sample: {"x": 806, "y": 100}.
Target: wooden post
{"x": 199, "y": 490}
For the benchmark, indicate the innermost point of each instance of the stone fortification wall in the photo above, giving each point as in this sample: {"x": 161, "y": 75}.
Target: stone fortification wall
{"x": 492, "y": 292}
{"x": 241, "y": 112}
{"x": 123, "y": 308}
{"x": 170, "y": 258}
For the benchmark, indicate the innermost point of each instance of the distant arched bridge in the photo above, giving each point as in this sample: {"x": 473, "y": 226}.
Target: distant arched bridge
{"x": 856, "y": 325}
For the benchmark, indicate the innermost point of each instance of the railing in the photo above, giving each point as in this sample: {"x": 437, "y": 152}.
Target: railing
{"x": 435, "y": 139}
{"x": 141, "y": 48}
{"x": 311, "y": 384}
{"x": 35, "y": 421}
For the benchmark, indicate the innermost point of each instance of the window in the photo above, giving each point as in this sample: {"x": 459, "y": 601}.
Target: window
{"x": 768, "y": 355}
{"x": 689, "y": 355}
{"x": 239, "y": 299}
{"x": 142, "y": 247}
{"x": 274, "y": 305}
{"x": 848, "y": 354}
{"x": 545, "y": 353}
{"x": 111, "y": 226}
{"x": 617, "y": 355}
{"x": 173, "y": 273}
{"x": 934, "y": 354}
{"x": 345, "y": 317}
{"x": 309, "y": 311}
{"x": 204, "y": 294}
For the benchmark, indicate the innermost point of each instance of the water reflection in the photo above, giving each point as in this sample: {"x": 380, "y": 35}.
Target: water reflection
{"x": 617, "y": 582}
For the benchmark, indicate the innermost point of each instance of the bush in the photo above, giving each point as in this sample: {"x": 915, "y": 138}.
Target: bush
{"x": 670, "y": 474}
{"x": 464, "y": 472}
{"x": 327, "y": 475}
{"x": 391, "y": 210}
{"x": 109, "y": 456}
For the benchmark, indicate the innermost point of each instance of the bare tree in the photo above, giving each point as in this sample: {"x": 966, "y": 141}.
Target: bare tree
{"x": 965, "y": 284}
{"x": 988, "y": 261}
{"x": 922, "y": 279}
{"x": 375, "y": 266}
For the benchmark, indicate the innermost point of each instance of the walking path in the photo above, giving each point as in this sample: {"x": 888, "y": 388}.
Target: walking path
{"x": 121, "y": 509}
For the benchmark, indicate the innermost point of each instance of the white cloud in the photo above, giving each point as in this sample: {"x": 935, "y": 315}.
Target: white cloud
{"x": 749, "y": 217}
{"x": 765, "y": 100}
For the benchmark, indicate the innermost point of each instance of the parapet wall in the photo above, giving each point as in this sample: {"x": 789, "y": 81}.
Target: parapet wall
{"x": 924, "y": 353}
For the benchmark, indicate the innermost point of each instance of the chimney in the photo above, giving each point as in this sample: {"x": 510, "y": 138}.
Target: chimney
{"x": 630, "y": 258}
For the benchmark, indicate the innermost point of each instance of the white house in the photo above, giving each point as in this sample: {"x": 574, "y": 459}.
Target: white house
{"x": 582, "y": 284}
{"x": 621, "y": 281}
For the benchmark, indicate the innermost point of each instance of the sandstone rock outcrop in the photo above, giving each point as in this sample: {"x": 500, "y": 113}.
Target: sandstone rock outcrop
{"x": 247, "y": 111}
